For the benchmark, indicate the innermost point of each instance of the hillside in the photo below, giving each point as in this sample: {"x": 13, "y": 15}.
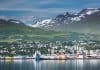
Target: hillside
{"x": 12, "y": 31}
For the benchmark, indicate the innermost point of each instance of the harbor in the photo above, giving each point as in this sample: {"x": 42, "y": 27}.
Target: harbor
{"x": 61, "y": 56}
{"x": 43, "y": 50}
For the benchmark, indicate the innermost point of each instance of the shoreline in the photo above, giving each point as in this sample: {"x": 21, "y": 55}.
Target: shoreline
{"x": 48, "y": 59}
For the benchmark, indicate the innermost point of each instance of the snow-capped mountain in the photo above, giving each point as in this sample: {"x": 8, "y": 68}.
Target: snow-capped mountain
{"x": 87, "y": 20}
{"x": 45, "y": 22}
{"x": 12, "y": 22}
{"x": 15, "y": 21}
{"x": 89, "y": 11}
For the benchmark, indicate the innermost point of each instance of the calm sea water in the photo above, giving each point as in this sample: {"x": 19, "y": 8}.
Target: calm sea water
{"x": 50, "y": 65}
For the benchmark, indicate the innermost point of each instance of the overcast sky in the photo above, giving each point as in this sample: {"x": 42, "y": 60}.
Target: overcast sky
{"x": 43, "y": 8}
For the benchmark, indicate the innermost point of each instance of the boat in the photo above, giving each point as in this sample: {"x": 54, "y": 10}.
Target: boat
{"x": 37, "y": 56}
{"x": 80, "y": 56}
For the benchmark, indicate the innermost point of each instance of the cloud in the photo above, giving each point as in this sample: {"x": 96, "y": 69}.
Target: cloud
{"x": 46, "y": 12}
{"x": 42, "y": 2}
{"x": 11, "y": 3}
{"x": 46, "y": 8}
{"x": 25, "y": 3}
{"x": 92, "y": 5}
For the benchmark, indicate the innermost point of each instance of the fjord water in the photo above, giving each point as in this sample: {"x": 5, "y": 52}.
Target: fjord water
{"x": 50, "y": 65}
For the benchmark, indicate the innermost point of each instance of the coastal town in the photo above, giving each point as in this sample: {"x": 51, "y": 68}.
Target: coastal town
{"x": 50, "y": 49}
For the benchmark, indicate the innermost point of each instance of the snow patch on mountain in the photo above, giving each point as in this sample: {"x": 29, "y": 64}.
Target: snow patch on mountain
{"x": 45, "y": 22}
{"x": 85, "y": 12}
{"x": 92, "y": 11}
{"x": 76, "y": 19}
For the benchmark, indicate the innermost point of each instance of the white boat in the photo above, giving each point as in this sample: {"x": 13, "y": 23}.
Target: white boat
{"x": 80, "y": 56}
{"x": 37, "y": 55}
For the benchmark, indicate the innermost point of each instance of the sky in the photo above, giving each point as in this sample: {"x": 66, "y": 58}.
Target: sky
{"x": 27, "y": 9}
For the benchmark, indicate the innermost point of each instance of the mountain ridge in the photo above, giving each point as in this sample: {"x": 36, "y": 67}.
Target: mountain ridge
{"x": 85, "y": 21}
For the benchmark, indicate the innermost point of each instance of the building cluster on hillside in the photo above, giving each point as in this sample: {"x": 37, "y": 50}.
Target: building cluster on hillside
{"x": 48, "y": 47}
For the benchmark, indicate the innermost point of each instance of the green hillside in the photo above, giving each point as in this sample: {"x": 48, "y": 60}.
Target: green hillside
{"x": 10, "y": 31}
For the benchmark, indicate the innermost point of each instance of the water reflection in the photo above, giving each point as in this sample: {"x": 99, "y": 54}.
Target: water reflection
{"x": 50, "y": 65}
{"x": 37, "y": 65}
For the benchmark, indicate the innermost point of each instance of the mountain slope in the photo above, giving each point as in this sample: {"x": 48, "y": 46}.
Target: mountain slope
{"x": 12, "y": 30}
{"x": 86, "y": 21}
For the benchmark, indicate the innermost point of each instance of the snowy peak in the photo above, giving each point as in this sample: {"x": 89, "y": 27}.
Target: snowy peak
{"x": 84, "y": 13}
{"x": 45, "y": 22}
{"x": 89, "y": 11}
{"x": 67, "y": 18}
{"x": 15, "y": 21}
